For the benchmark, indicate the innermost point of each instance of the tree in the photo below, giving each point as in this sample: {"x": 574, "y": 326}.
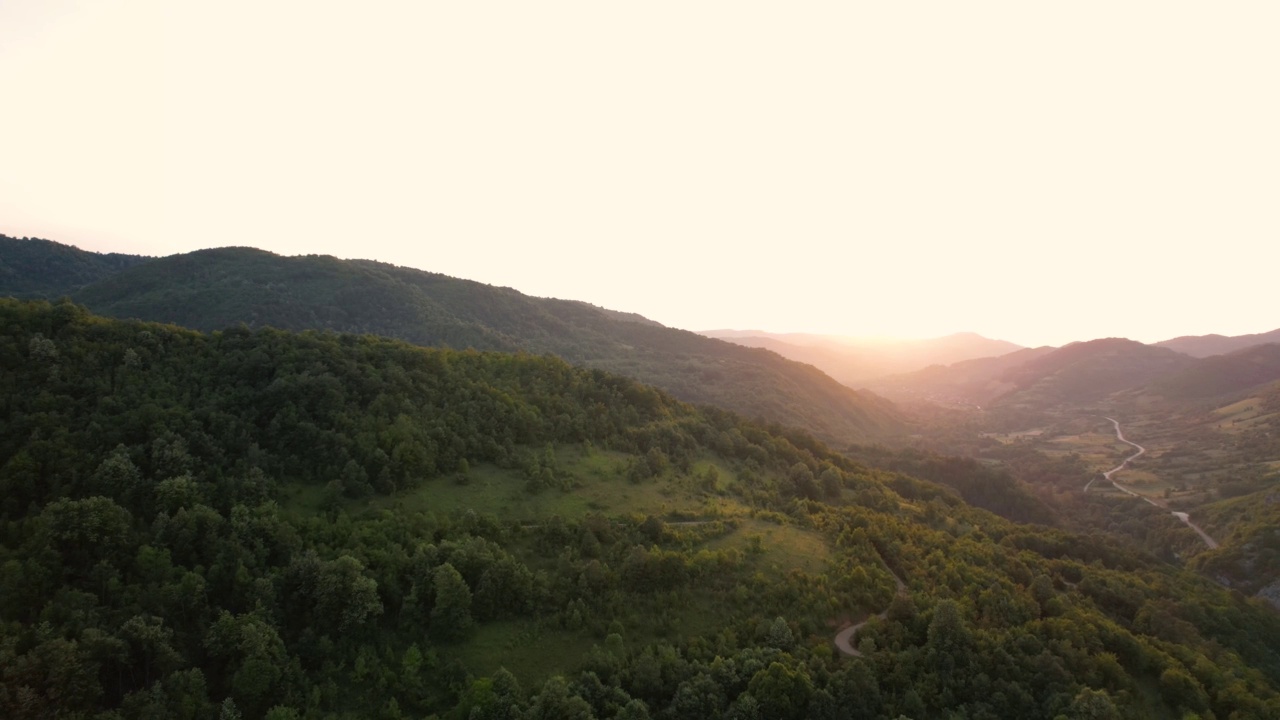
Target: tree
{"x": 555, "y": 702}
{"x": 1181, "y": 690}
{"x": 802, "y": 481}
{"x": 832, "y": 482}
{"x": 84, "y": 532}
{"x": 253, "y": 656}
{"x": 451, "y": 615}
{"x": 345, "y": 597}
{"x": 1090, "y": 704}
{"x": 150, "y": 649}
{"x": 117, "y": 476}
{"x": 782, "y": 692}
{"x": 779, "y": 635}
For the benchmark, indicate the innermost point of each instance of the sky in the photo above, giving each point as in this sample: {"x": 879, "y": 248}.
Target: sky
{"x": 1035, "y": 172}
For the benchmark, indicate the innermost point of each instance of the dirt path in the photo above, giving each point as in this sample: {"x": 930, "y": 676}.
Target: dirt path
{"x": 1184, "y": 517}
{"x": 846, "y": 637}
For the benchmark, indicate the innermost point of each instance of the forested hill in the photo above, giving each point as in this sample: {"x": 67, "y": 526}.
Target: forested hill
{"x": 214, "y": 289}
{"x": 252, "y": 524}
{"x": 35, "y": 268}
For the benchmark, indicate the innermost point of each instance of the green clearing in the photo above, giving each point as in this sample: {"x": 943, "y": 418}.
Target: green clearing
{"x": 1242, "y": 415}
{"x": 1240, "y": 407}
{"x": 782, "y": 548}
{"x": 1100, "y": 451}
{"x": 1141, "y": 480}
{"x": 588, "y": 482}
{"x": 530, "y": 650}
{"x": 1009, "y": 438}
{"x": 301, "y": 501}
{"x": 1245, "y": 421}
{"x": 534, "y": 651}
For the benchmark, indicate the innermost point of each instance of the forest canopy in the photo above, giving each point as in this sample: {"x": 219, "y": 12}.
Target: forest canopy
{"x": 258, "y": 523}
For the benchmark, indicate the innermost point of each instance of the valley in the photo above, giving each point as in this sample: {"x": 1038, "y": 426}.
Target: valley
{"x": 1183, "y": 516}
{"x": 1205, "y": 439}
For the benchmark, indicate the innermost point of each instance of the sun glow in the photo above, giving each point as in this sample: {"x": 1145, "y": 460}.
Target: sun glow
{"x": 1033, "y": 173}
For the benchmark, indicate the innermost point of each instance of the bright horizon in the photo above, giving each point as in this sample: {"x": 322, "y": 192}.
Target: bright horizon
{"x": 1034, "y": 174}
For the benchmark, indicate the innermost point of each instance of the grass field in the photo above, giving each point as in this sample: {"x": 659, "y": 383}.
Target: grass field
{"x": 534, "y": 651}
{"x": 595, "y": 483}
{"x": 1007, "y": 438}
{"x": 530, "y": 650}
{"x": 1242, "y": 415}
{"x": 1100, "y": 451}
{"x": 1237, "y": 408}
{"x": 783, "y": 548}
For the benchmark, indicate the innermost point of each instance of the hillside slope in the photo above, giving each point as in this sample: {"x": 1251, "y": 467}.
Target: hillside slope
{"x": 1088, "y": 371}
{"x": 267, "y": 524}
{"x": 1220, "y": 375}
{"x": 214, "y": 289}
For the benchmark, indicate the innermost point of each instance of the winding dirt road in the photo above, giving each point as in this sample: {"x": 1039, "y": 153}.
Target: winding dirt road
{"x": 845, "y": 638}
{"x": 1184, "y": 517}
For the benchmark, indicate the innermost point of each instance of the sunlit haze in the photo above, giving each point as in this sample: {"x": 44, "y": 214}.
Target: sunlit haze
{"x": 1035, "y": 172}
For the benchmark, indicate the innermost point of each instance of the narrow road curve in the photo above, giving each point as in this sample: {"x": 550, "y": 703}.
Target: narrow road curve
{"x": 1107, "y": 475}
{"x": 845, "y": 638}
{"x": 1184, "y": 517}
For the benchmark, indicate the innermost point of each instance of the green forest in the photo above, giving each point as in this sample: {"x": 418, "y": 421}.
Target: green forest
{"x": 255, "y": 523}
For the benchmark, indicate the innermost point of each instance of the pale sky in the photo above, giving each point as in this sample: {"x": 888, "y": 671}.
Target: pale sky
{"x": 1037, "y": 172}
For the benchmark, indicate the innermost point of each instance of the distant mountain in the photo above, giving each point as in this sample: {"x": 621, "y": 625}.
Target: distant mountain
{"x": 856, "y": 361}
{"x": 970, "y": 382}
{"x": 1040, "y": 377}
{"x": 1088, "y": 371}
{"x": 1223, "y": 374}
{"x": 1208, "y": 345}
{"x": 35, "y": 268}
{"x": 214, "y": 289}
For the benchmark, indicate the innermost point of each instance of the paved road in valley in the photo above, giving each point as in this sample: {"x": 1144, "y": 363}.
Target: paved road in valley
{"x": 1184, "y": 517}
{"x": 1107, "y": 475}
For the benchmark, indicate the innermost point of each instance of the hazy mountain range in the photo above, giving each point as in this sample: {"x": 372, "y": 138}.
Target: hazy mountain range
{"x": 1207, "y": 345}
{"x": 855, "y": 361}
{"x": 1086, "y": 372}
{"x": 798, "y": 379}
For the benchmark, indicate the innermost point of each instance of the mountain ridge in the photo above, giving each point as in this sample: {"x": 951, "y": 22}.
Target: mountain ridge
{"x": 38, "y": 268}
{"x": 216, "y": 288}
{"x": 1215, "y": 344}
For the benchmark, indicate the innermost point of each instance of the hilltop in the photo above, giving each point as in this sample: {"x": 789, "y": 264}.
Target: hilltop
{"x": 219, "y": 288}
{"x": 35, "y": 268}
